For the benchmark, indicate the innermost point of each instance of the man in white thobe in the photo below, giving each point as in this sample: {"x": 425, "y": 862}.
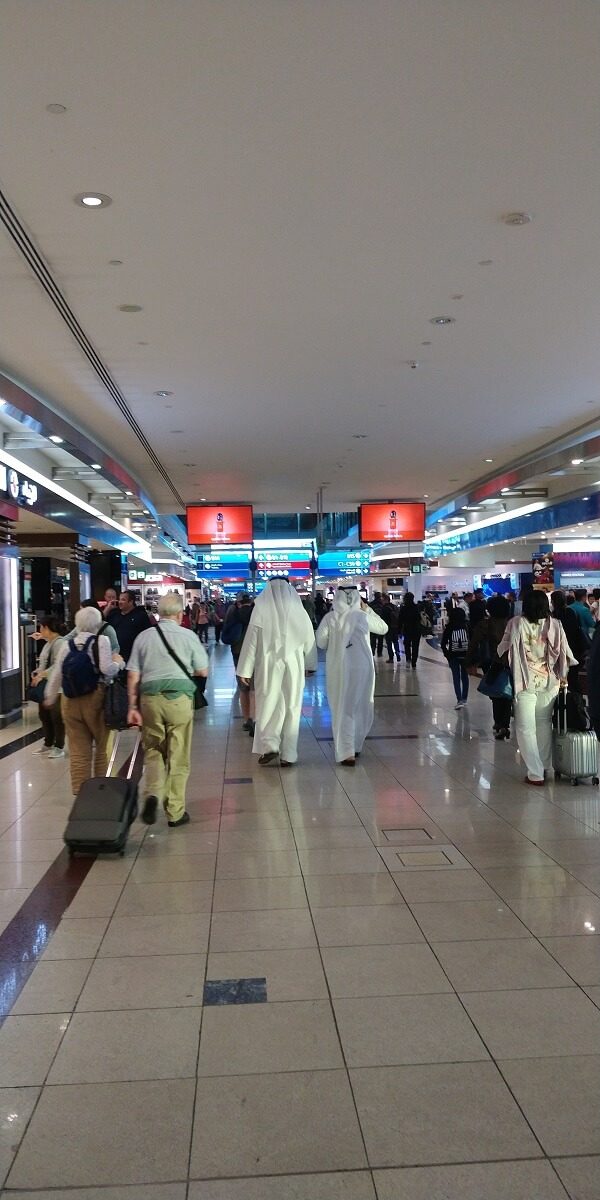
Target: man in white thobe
{"x": 344, "y": 634}
{"x": 279, "y": 647}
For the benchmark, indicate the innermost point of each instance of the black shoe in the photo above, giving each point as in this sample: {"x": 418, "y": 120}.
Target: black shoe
{"x": 247, "y": 725}
{"x": 149, "y": 810}
{"x": 284, "y": 763}
{"x": 184, "y": 820}
{"x": 251, "y": 728}
{"x": 389, "y": 660}
{"x": 269, "y": 760}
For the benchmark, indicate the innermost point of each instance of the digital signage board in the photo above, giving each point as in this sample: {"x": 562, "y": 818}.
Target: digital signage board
{"x": 219, "y": 524}
{"x": 396, "y": 522}
{"x": 344, "y": 563}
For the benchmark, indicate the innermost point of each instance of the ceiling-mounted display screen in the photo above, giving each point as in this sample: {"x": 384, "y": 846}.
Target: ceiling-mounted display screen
{"x": 395, "y": 522}
{"x": 214, "y": 524}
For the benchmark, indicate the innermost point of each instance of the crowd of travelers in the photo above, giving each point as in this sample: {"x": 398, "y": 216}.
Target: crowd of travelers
{"x": 541, "y": 644}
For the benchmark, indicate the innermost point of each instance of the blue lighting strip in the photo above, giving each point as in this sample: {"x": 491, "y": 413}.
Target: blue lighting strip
{"x": 567, "y": 512}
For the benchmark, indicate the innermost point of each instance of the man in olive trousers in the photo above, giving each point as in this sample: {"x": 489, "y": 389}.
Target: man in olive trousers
{"x": 161, "y": 688}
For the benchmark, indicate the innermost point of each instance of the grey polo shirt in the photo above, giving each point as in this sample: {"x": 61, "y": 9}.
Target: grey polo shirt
{"x": 159, "y": 673}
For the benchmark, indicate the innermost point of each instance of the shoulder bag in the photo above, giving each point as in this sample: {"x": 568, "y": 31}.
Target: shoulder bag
{"x": 199, "y": 681}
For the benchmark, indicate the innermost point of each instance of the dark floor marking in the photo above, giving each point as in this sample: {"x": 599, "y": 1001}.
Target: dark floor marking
{"x": 20, "y": 743}
{"x": 239, "y": 779}
{"x": 25, "y": 938}
{"x": 235, "y": 991}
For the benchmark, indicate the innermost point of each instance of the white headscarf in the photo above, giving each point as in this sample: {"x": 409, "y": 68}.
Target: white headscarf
{"x": 280, "y": 614}
{"x": 347, "y": 609}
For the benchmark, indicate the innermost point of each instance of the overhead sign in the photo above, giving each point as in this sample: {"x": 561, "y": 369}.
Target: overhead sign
{"x": 344, "y": 563}
{"x": 224, "y": 564}
{"x": 225, "y": 524}
{"x": 396, "y": 522}
{"x": 17, "y": 487}
{"x": 542, "y": 565}
{"x": 271, "y": 563}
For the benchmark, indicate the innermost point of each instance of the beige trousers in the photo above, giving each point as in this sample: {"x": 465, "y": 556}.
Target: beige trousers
{"x": 84, "y": 723}
{"x": 167, "y": 738}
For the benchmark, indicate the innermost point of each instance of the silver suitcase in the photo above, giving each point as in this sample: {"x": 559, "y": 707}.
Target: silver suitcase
{"x": 574, "y": 755}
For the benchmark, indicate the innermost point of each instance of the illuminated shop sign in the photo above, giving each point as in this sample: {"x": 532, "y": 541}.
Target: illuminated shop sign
{"x": 17, "y": 487}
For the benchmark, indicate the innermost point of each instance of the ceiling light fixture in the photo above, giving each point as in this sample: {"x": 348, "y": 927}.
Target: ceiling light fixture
{"x": 307, "y": 507}
{"x": 203, "y": 499}
{"x": 163, "y": 393}
{"x": 585, "y": 497}
{"x": 576, "y": 462}
{"x": 58, "y": 441}
{"x": 130, "y": 308}
{"x": 488, "y": 460}
{"x": 96, "y": 466}
{"x": 517, "y": 218}
{"x": 442, "y": 320}
{"x": 129, "y": 493}
{"x": 93, "y": 200}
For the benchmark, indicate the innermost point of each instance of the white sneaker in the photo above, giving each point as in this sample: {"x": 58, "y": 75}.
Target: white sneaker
{"x": 56, "y": 753}
{"x": 460, "y": 704}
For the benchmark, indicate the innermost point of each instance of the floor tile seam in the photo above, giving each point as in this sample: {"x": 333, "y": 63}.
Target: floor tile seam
{"x": 552, "y": 801}
{"x": 208, "y": 941}
{"x": 369, "y": 1170}
{"x": 333, "y": 1012}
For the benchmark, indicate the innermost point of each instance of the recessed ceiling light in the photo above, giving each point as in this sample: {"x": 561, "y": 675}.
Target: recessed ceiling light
{"x": 576, "y": 462}
{"x": 426, "y": 343}
{"x": 485, "y": 262}
{"x": 96, "y": 466}
{"x": 543, "y": 533}
{"x": 143, "y": 343}
{"x": 517, "y": 218}
{"x": 585, "y": 497}
{"x": 426, "y": 495}
{"x": 163, "y": 393}
{"x": 512, "y": 560}
{"x": 129, "y": 493}
{"x": 58, "y": 441}
{"x": 203, "y": 499}
{"x": 115, "y": 262}
{"x": 130, "y": 308}
{"x": 458, "y": 296}
{"x": 442, "y": 320}
{"x": 488, "y": 460}
{"x": 93, "y": 200}
{"x": 57, "y": 109}
{"x": 307, "y": 507}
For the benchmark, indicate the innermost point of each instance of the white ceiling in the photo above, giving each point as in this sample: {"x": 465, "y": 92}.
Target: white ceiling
{"x": 297, "y": 188}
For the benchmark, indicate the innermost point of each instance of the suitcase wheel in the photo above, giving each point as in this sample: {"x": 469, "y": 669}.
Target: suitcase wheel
{"x": 595, "y": 781}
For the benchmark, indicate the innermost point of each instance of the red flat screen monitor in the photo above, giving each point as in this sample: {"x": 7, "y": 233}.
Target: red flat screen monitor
{"x": 395, "y": 522}
{"x": 219, "y": 524}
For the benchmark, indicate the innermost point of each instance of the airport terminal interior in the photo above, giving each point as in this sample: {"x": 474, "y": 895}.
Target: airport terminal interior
{"x": 270, "y": 270}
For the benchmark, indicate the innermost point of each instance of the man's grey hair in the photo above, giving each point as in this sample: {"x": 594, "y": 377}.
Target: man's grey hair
{"x": 170, "y": 605}
{"x": 88, "y": 620}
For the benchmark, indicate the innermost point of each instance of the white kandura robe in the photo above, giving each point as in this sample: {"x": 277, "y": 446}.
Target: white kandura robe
{"x": 344, "y": 634}
{"x": 278, "y": 648}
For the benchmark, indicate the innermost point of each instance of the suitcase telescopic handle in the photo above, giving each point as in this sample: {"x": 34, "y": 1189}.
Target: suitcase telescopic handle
{"x": 115, "y": 751}
{"x": 563, "y": 725}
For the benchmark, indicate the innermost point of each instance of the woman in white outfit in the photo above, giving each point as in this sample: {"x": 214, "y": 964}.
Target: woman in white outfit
{"x": 344, "y": 634}
{"x": 539, "y": 658}
{"x": 279, "y": 647}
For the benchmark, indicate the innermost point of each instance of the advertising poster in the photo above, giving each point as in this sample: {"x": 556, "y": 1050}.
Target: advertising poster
{"x": 214, "y": 524}
{"x": 542, "y": 566}
{"x": 395, "y": 522}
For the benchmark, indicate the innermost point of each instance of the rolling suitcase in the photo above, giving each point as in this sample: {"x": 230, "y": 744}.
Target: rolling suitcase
{"x": 574, "y": 754}
{"x": 103, "y": 811}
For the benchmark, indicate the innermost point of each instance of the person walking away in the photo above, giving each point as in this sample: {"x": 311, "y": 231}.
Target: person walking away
{"x": 477, "y": 608}
{"x": 128, "y": 620}
{"x": 390, "y": 615}
{"x": 454, "y": 646}
{"x": 483, "y": 649}
{"x": 539, "y": 658}
{"x": 233, "y": 633}
{"x": 320, "y": 607}
{"x": 161, "y": 702}
{"x": 376, "y": 606}
{"x": 218, "y": 619}
{"x": 584, "y": 615}
{"x": 344, "y": 634}
{"x": 82, "y": 664}
{"x": 409, "y": 626}
{"x": 278, "y": 648}
{"x": 577, "y": 641}
{"x": 51, "y": 720}
{"x": 203, "y": 621}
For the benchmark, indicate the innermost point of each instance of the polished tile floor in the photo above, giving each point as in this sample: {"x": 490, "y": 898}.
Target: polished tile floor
{"x": 335, "y": 984}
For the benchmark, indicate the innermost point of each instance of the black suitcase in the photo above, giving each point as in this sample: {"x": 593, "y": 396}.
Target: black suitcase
{"x": 103, "y": 811}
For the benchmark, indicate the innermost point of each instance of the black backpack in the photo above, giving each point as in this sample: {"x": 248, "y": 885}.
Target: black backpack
{"x": 80, "y": 676}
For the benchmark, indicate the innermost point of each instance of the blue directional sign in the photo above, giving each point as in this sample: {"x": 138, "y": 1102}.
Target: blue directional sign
{"x": 344, "y": 563}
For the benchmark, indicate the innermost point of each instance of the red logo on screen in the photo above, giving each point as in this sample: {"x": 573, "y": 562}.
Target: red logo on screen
{"x": 391, "y": 522}
{"x": 210, "y": 524}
